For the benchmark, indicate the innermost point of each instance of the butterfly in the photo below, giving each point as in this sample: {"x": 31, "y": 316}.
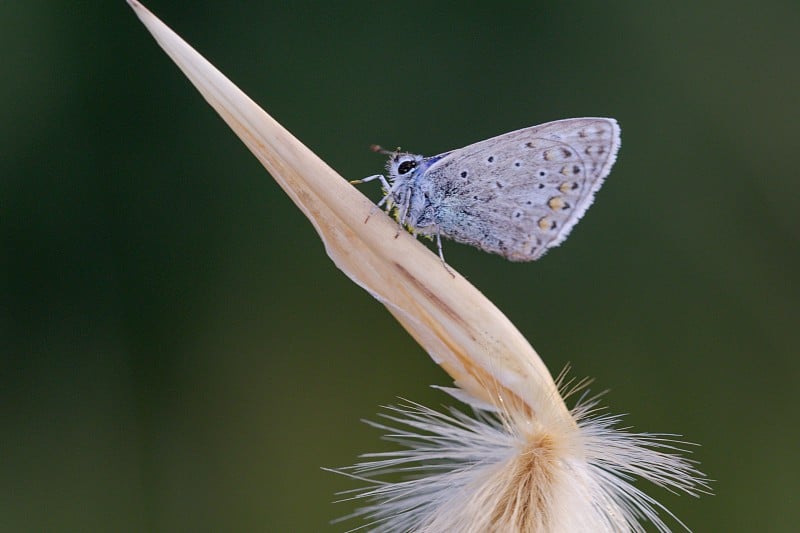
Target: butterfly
{"x": 517, "y": 195}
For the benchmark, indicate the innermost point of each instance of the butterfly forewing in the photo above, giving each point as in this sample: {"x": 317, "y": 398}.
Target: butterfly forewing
{"x": 521, "y": 193}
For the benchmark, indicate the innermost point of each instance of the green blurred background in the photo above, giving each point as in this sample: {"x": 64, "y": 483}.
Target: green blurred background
{"x": 177, "y": 353}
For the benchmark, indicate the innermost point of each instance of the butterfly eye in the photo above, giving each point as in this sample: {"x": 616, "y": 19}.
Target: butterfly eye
{"x": 406, "y": 167}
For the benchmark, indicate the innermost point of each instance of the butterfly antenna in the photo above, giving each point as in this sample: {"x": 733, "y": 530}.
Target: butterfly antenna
{"x": 377, "y": 148}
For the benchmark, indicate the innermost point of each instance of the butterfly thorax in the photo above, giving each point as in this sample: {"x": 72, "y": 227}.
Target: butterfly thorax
{"x": 413, "y": 194}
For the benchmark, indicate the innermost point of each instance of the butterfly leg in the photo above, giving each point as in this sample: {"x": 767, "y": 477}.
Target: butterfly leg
{"x": 387, "y": 199}
{"x": 401, "y": 219}
{"x": 380, "y": 177}
{"x": 441, "y": 254}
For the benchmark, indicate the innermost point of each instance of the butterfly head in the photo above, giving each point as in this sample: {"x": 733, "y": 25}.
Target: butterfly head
{"x": 402, "y": 165}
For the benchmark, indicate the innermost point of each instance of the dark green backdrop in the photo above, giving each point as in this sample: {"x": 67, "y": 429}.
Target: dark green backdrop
{"x": 178, "y": 353}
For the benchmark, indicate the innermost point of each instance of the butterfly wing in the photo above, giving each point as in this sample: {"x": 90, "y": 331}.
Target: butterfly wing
{"x": 521, "y": 193}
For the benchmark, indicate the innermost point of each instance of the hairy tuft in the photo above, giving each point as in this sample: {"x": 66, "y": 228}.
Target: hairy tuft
{"x": 499, "y": 472}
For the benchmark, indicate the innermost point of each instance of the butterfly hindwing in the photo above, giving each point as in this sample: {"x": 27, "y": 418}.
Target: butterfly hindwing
{"x": 521, "y": 193}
